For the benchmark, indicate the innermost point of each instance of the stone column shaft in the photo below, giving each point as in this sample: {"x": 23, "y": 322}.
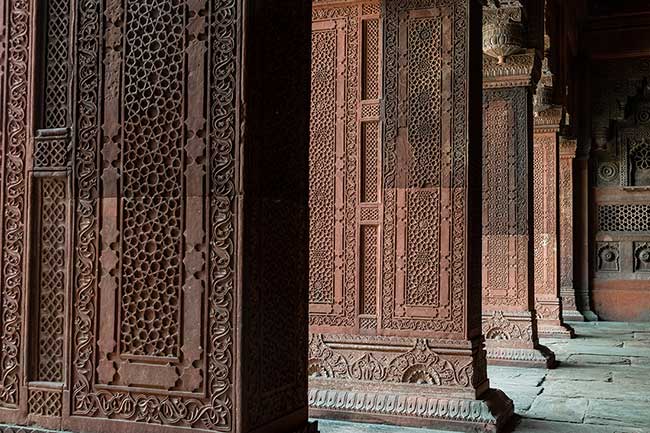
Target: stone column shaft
{"x": 509, "y": 322}
{"x": 545, "y": 173}
{"x": 567, "y": 290}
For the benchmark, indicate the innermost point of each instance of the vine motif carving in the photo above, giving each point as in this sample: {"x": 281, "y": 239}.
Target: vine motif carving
{"x": 419, "y": 364}
{"x": 13, "y": 207}
{"x": 214, "y": 412}
{"x": 498, "y": 327}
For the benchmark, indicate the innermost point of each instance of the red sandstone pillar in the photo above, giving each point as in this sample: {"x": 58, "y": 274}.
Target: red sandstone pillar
{"x": 416, "y": 356}
{"x": 146, "y": 285}
{"x": 567, "y": 290}
{"x": 582, "y": 266}
{"x": 545, "y": 174}
{"x": 509, "y": 322}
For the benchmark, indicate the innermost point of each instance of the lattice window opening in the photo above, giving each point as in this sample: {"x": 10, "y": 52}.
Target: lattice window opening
{"x": 56, "y": 70}
{"x": 624, "y": 218}
{"x": 639, "y": 163}
{"x": 52, "y": 148}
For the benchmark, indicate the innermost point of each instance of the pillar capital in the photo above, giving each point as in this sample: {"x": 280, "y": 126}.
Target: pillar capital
{"x": 568, "y": 147}
{"x": 518, "y": 70}
{"x": 549, "y": 120}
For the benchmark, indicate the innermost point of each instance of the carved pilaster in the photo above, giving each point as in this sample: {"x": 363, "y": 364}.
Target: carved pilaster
{"x": 140, "y": 291}
{"x": 545, "y": 184}
{"x": 568, "y": 295}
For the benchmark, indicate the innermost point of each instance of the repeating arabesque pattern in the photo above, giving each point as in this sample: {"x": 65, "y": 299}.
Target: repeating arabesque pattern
{"x": 453, "y": 163}
{"x": 221, "y": 23}
{"x": 14, "y": 140}
{"x": 333, "y": 252}
{"x": 506, "y": 198}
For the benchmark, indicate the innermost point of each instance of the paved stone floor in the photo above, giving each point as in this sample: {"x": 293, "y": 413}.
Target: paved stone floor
{"x": 602, "y": 385}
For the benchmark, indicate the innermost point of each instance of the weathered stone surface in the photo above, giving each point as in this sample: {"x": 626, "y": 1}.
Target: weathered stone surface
{"x": 539, "y": 426}
{"x": 618, "y": 413}
{"x": 519, "y": 376}
{"x": 601, "y": 390}
{"x": 559, "y": 409}
{"x": 599, "y": 359}
{"x": 578, "y": 397}
{"x": 580, "y": 373}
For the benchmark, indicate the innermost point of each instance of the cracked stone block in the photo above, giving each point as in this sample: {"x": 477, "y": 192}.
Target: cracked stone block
{"x": 598, "y": 359}
{"x": 558, "y": 409}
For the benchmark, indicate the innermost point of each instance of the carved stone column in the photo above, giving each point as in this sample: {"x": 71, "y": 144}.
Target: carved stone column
{"x": 146, "y": 286}
{"x": 545, "y": 174}
{"x": 583, "y": 247}
{"x": 567, "y": 291}
{"x": 509, "y": 322}
{"x": 411, "y": 351}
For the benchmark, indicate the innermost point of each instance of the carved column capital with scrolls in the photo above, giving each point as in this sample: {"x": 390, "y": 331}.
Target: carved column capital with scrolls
{"x": 503, "y": 29}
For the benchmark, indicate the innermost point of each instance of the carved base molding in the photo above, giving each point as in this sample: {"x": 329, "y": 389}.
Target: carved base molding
{"x": 19, "y": 429}
{"x": 572, "y": 315}
{"x": 549, "y": 319}
{"x": 569, "y": 309}
{"x": 556, "y": 331}
{"x": 510, "y": 340}
{"x": 310, "y": 427}
{"x": 536, "y": 357}
{"x": 590, "y": 316}
{"x": 412, "y": 408}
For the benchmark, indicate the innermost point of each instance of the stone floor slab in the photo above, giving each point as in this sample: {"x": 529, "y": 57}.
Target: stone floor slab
{"x": 527, "y": 425}
{"x": 618, "y": 413}
{"x": 559, "y": 409}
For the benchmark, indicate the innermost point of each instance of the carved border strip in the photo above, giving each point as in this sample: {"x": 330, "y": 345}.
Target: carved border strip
{"x": 13, "y": 194}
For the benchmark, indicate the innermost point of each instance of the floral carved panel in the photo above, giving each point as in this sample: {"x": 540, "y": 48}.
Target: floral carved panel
{"x": 506, "y": 170}
{"x": 153, "y": 262}
{"x": 345, "y": 166}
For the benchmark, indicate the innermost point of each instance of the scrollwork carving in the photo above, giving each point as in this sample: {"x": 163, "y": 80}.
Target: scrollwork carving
{"x": 418, "y": 364}
{"x": 216, "y": 24}
{"x": 18, "y": 55}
